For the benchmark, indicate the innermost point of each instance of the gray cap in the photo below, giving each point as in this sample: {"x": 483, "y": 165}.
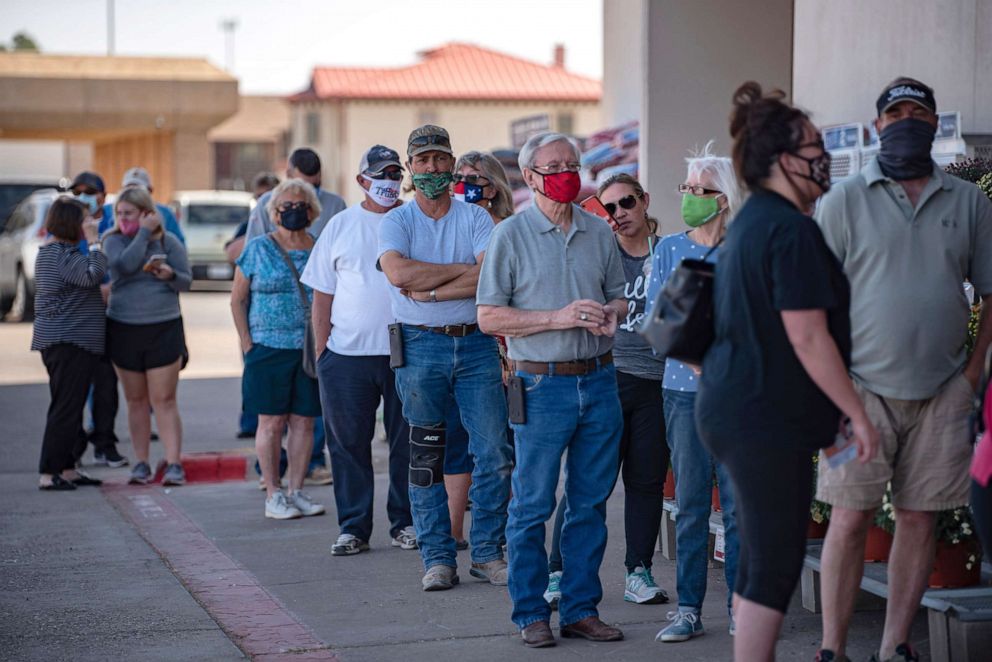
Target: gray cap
{"x": 428, "y": 138}
{"x": 377, "y": 158}
{"x": 137, "y": 177}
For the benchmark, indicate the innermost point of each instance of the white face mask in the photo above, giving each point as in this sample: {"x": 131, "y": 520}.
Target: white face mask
{"x": 384, "y": 192}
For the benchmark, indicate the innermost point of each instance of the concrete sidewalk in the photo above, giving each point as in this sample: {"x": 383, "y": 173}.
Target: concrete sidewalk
{"x": 81, "y": 582}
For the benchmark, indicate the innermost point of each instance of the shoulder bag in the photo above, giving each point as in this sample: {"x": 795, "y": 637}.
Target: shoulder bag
{"x": 309, "y": 350}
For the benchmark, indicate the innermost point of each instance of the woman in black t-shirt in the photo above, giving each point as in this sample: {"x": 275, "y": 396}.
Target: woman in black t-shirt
{"x": 775, "y": 382}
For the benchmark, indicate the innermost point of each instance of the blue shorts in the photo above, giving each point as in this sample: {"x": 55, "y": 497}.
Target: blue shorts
{"x": 274, "y": 384}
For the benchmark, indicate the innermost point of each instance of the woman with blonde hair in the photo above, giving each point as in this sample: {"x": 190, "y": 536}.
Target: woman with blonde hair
{"x": 480, "y": 178}
{"x": 148, "y": 269}
{"x": 271, "y": 320}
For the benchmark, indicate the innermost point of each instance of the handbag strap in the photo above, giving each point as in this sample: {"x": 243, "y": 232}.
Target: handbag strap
{"x": 292, "y": 269}
{"x": 714, "y": 247}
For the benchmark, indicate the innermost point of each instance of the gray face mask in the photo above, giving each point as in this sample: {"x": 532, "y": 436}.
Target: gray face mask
{"x": 905, "y": 150}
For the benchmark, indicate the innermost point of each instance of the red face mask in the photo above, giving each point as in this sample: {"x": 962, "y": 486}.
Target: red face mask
{"x": 562, "y": 187}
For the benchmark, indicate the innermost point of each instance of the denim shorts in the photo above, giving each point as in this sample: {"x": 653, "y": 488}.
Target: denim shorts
{"x": 274, "y": 383}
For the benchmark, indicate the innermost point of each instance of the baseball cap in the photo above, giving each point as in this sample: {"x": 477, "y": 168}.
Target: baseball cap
{"x": 906, "y": 89}
{"x": 428, "y": 138}
{"x": 90, "y": 180}
{"x": 136, "y": 177}
{"x": 377, "y": 158}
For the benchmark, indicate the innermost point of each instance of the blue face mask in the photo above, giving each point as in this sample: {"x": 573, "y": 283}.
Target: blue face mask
{"x": 90, "y": 200}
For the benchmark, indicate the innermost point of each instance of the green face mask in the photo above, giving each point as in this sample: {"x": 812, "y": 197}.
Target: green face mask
{"x": 698, "y": 211}
{"x": 433, "y": 184}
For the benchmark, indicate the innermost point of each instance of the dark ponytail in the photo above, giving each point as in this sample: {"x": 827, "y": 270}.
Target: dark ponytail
{"x": 762, "y": 126}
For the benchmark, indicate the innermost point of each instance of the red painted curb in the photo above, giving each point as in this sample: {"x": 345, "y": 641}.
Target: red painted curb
{"x": 258, "y": 623}
{"x": 209, "y": 467}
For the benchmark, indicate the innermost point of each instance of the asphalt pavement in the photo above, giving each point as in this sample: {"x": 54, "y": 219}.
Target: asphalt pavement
{"x": 197, "y": 572}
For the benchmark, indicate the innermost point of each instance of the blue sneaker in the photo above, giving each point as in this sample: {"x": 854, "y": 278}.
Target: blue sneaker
{"x": 685, "y": 625}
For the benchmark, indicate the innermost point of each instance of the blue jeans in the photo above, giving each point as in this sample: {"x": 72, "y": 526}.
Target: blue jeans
{"x": 581, "y": 415}
{"x": 317, "y": 458}
{"x": 436, "y": 368}
{"x": 694, "y": 468}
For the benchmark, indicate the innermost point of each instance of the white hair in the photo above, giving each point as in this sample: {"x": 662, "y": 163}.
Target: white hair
{"x": 537, "y": 141}
{"x": 293, "y": 186}
{"x": 721, "y": 172}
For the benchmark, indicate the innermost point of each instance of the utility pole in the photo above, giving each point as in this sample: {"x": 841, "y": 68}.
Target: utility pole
{"x": 110, "y": 27}
{"x": 229, "y": 25}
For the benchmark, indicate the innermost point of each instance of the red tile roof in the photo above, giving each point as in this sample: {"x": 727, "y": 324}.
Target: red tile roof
{"x": 454, "y": 71}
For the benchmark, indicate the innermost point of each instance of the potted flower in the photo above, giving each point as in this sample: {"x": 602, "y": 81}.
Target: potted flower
{"x": 669, "y": 490}
{"x": 879, "y": 539}
{"x": 819, "y": 512}
{"x": 958, "y": 561}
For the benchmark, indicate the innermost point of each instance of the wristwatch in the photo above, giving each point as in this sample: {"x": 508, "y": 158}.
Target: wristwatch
{"x": 433, "y": 296}
{"x": 95, "y": 246}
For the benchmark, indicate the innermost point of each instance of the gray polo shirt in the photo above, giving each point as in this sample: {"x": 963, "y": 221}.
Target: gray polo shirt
{"x": 532, "y": 265}
{"x": 909, "y": 314}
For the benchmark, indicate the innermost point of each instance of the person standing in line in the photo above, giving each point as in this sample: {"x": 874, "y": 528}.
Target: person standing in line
{"x": 553, "y": 284}
{"x": 304, "y": 163}
{"x": 710, "y": 197}
{"x": 70, "y": 332}
{"x": 643, "y": 453}
{"x": 351, "y": 316}
{"x": 908, "y": 235}
{"x": 88, "y": 188}
{"x": 435, "y": 245}
{"x": 138, "y": 176}
{"x": 148, "y": 270}
{"x": 774, "y": 383}
{"x": 271, "y": 319}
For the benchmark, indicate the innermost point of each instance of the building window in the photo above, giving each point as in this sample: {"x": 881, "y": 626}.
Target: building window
{"x": 565, "y": 123}
{"x": 313, "y": 128}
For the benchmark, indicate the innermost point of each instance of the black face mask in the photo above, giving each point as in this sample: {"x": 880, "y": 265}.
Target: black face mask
{"x": 819, "y": 170}
{"x": 294, "y": 218}
{"x": 905, "y": 151}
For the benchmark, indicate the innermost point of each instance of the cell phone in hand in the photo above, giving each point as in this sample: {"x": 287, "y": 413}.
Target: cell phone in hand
{"x": 594, "y": 205}
{"x": 844, "y": 449}
{"x": 155, "y": 261}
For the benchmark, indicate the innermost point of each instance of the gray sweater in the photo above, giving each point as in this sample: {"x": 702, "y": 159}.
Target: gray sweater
{"x": 136, "y": 296}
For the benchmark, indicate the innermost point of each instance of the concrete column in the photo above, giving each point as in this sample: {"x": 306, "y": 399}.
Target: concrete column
{"x": 696, "y": 54}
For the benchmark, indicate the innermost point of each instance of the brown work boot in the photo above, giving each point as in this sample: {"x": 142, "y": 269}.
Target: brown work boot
{"x": 538, "y": 635}
{"x": 593, "y": 629}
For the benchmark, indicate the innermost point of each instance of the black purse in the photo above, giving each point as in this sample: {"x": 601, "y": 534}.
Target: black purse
{"x": 680, "y": 325}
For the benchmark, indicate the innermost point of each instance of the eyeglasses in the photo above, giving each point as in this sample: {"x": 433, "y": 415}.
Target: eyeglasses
{"x": 626, "y": 203}
{"x": 423, "y": 141}
{"x": 697, "y": 190}
{"x": 85, "y": 191}
{"x": 555, "y": 168}
{"x": 476, "y": 180}
{"x": 394, "y": 175}
{"x": 289, "y": 206}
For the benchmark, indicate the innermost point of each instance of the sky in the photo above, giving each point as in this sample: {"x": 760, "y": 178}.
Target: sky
{"x": 278, "y": 42}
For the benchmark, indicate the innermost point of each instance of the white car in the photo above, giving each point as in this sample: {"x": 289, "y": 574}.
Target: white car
{"x": 209, "y": 220}
{"x": 20, "y": 238}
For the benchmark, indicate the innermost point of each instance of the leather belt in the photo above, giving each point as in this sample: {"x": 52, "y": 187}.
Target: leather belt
{"x": 569, "y": 368}
{"x": 453, "y": 330}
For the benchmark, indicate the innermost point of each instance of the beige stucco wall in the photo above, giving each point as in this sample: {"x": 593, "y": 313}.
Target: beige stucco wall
{"x": 348, "y": 129}
{"x": 847, "y": 50}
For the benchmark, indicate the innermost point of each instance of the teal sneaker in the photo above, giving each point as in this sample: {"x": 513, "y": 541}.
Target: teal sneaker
{"x": 641, "y": 589}
{"x": 553, "y": 594}
{"x": 685, "y": 625}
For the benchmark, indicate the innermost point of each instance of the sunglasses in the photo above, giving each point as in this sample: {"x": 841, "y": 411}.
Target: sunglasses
{"x": 423, "y": 141}
{"x": 697, "y": 190}
{"x": 394, "y": 175}
{"x": 85, "y": 191}
{"x": 476, "y": 180}
{"x": 627, "y": 202}
{"x": 289, "y": 206}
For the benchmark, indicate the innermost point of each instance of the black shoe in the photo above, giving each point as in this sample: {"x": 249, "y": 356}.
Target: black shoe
{"x": 461, "y": 545}
{"x": 245, "y": 434}
{"x": 83, "y": 480}
{"x": 153, "y": 436}
{"x": 109, "y": 457}
{"x": 59, "y": 484}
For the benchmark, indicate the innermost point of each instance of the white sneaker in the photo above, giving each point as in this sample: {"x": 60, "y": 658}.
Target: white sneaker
{"x": 348, "y": 544}
{"x": 641, "y": 589}
{"x": 406, "y": 538}
{"x": 276, "y": 507}
{"x": 303, "y": 503}
{"x": 553, "y": 594}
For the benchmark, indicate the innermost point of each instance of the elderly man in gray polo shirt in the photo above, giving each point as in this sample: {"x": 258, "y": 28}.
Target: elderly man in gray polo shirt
{"x": 908, "y": 235}
{"x": 553, "y": 284}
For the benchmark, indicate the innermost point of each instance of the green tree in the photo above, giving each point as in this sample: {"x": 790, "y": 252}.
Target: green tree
{"x": 22, "y": 41}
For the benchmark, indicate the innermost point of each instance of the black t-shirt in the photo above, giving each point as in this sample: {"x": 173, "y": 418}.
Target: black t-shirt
{"x": 754, "y": 390}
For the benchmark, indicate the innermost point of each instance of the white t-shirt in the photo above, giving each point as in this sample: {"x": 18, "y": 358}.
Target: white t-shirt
{"x": 343, "y": 264}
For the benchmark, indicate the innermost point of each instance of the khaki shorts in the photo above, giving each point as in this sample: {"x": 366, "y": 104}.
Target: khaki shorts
{"x": 924, "y": 448}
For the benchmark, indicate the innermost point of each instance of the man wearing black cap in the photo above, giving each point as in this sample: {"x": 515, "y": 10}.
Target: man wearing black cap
{"x": 351, "y": 313}
{"x": 908, "y": 235}
{"x": 88, "y": 187}
{"x": 431, "y": 250}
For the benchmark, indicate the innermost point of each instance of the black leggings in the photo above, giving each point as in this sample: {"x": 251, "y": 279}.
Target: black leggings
{"x": 773, "y": 488}
{"x": 70, "y": 373}
{"x": 644, "y": 463}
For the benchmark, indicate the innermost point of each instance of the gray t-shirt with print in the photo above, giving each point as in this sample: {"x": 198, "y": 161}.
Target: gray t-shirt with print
{"x": 631, "y": 352}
